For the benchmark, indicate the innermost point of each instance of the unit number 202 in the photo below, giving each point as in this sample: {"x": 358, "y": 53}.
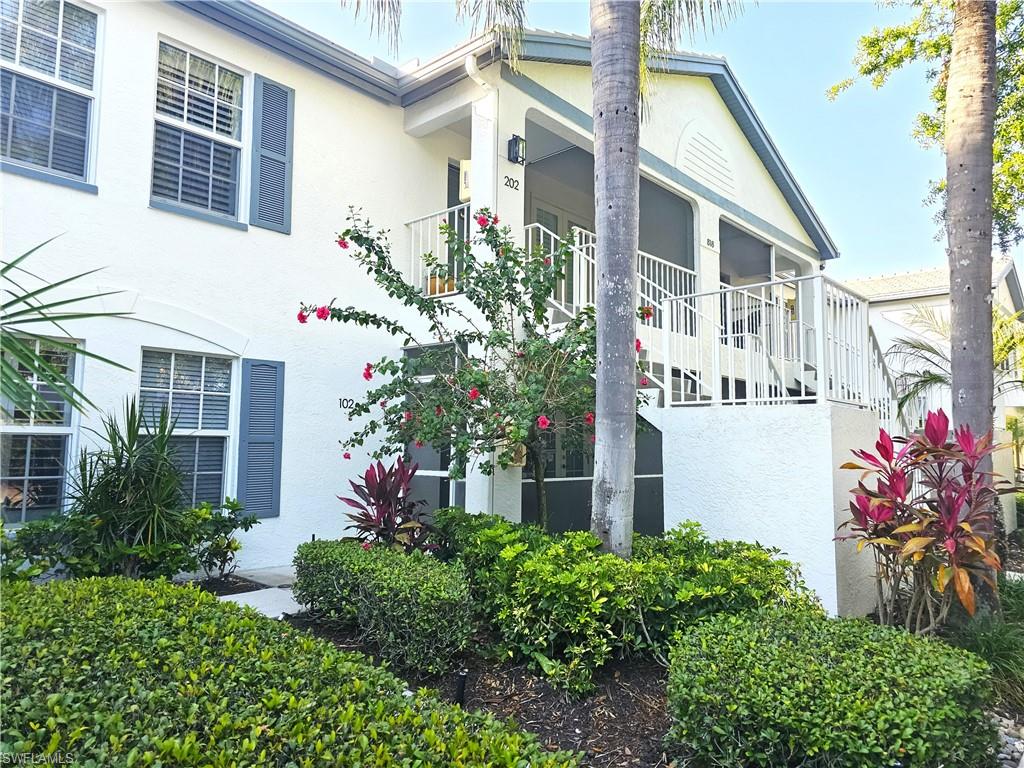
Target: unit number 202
{"x": 512, "y": 183}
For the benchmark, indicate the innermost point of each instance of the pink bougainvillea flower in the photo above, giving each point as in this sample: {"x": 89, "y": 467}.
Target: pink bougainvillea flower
{"x": 647, "y": 312}
{"x": 383, "y": 403}
{"x": 638, "y": 345}
{"x": 346, "y": 455}
{"x": 367, "y": 546}
{"x": 474, "y": 393}
{"x": 644, "y": 381}
{"x": 494, "y": 219}
{"x": 368, "y": 372}
{"x": 547, "y": 261}
{"x": 543, "y": 422}
{"x": 482, "y": 221}
{"x": 303, "y": 317}
{"x": 589, "y": 419}
{"x": 936, "y": 427}
{"x": 343, "y": 243}
{"x": 323, "y": 312}
{"x": 408, "y": 415}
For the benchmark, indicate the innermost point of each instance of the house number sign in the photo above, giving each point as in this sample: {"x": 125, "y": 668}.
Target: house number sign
{"x": 346, "y": 402}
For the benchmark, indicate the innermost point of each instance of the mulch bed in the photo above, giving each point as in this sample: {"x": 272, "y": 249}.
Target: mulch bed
{"x": 619, "y": 725}
{"x": 229, "y": 585}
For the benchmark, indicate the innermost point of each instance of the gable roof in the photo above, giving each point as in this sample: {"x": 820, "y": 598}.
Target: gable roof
{"x": 934, "y": 281}
{"x": 388, "y": 83}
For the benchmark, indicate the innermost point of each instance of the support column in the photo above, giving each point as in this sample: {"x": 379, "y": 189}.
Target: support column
{"x": 501, "y": 492}
{"x": 708, "y": 265}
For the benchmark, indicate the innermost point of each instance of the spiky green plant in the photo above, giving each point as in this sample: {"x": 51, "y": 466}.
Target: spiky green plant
{"x": 923, "y": 361}
{"x": 30, "y": 314}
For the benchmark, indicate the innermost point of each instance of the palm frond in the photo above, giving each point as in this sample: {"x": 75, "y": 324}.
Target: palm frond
{"x": 664, "y": 22}
{"x": 23, "y": 360}
{"x": 384, "y": 16}
{"x": 505, "y": 18}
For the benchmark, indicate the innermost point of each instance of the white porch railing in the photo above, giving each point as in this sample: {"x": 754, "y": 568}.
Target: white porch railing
{"x": 790, "y": 340}
{"x": 425, "y": 236}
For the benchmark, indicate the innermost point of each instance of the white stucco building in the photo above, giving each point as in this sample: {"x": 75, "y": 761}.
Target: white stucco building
{"x": 204, "y": 154}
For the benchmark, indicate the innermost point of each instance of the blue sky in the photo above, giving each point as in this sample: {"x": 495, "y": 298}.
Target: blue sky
{"x": 855, "y": 158}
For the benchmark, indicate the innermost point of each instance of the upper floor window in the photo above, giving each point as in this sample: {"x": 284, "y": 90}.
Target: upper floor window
{"x": 198, "y": 135}
{"x": 48, "y": 49}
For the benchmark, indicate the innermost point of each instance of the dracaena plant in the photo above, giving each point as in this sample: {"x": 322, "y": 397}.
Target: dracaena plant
{"x": 385, "y": 512}
{"x": 923, "y": 506}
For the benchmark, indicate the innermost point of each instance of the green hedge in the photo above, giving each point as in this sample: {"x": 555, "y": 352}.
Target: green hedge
{"x": 414, "y": 607}
{"x": 119, "y": 673}
{"x": 784, "y": 687}
{"x": 563, "y": 605}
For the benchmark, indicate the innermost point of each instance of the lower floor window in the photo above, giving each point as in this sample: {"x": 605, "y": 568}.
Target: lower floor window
{"x": 201, "y": 462}
{"x": 32, "y": 475}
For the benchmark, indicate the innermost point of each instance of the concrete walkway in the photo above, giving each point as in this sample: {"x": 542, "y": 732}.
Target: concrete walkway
{"x": 275, "y": 599}
{"x": 272, "y": 601}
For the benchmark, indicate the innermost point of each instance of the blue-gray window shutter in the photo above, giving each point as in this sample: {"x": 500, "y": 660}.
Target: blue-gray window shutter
{"x": 270, "y": 206}
{"x": 262, "y": 427}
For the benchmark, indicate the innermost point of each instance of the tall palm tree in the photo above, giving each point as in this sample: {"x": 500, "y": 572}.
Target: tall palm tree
{"x": 969, "y": 127}
{"x": 626, "y": 37}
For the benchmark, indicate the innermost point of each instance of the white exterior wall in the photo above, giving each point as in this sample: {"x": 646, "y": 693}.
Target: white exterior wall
{"x": 770, "y": 475}
{"x": 238, "y": 292}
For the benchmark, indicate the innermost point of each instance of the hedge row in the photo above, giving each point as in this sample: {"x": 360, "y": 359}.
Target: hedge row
{"x": 563, "y": 605}
{"x": 795, "y": 688}
{"x": 414, "y": 607}
{"x": 112, "y": 672}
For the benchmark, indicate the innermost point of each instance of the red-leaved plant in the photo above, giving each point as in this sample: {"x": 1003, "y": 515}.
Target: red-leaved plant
{"x": 928, "y": 520}
{"x": 385, "y": 512}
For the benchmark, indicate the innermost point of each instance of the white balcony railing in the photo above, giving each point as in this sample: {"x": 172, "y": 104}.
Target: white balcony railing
{"x": 789, "y": 340}
{"x": 427, "y": 237}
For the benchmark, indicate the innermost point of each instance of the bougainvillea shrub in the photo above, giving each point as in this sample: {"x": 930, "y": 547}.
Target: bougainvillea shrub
{"x": 117, "y": 673}
{"x": 924, "y": 507}
{"x": 791, "y": 687}
{"x": 493, "y": 376}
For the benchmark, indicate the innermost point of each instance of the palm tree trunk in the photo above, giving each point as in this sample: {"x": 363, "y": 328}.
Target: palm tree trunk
{"x": 970, "y": 124}
{"x": 615, "y": 59}
{"x": 970, "y": 117}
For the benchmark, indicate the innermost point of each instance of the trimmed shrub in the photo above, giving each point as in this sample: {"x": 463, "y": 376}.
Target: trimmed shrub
{"x": 414, "y": 607}
{"x": 795, "y": 688}
{"x": 117, "y": 673}
{"x": 567, "y": 607}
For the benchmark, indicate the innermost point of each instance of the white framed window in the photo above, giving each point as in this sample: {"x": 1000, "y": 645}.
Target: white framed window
{"x": 196, "y": 391}
{"x": 198, "y": 133}
{"x": 48, "y": 51}
{"x": 35, "y": 446}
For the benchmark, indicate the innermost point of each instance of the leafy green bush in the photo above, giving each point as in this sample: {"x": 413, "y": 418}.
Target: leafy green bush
{"x": 1001, "y": 644}
{"x": 128, "y": 515}
{"x": 414, "y": 607}
{"x": 1011, "y": 597}
{"x": 118, "y": 673}
{"x": 567, "y": 608}
{"x": 793, "y": 687}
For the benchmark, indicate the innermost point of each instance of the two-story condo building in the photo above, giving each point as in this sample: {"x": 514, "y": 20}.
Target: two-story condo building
{"x": 204, "y": 153}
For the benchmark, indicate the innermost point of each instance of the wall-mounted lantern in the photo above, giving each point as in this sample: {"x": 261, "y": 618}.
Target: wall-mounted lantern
{"x": 517, "y": 150}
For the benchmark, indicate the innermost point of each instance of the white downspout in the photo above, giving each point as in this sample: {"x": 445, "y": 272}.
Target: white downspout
{"x": 473, "y": 70}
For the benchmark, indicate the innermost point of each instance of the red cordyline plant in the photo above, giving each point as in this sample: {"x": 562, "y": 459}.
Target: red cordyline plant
{"x": 923, "y": 518}
{"x": 385, "y": 511}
